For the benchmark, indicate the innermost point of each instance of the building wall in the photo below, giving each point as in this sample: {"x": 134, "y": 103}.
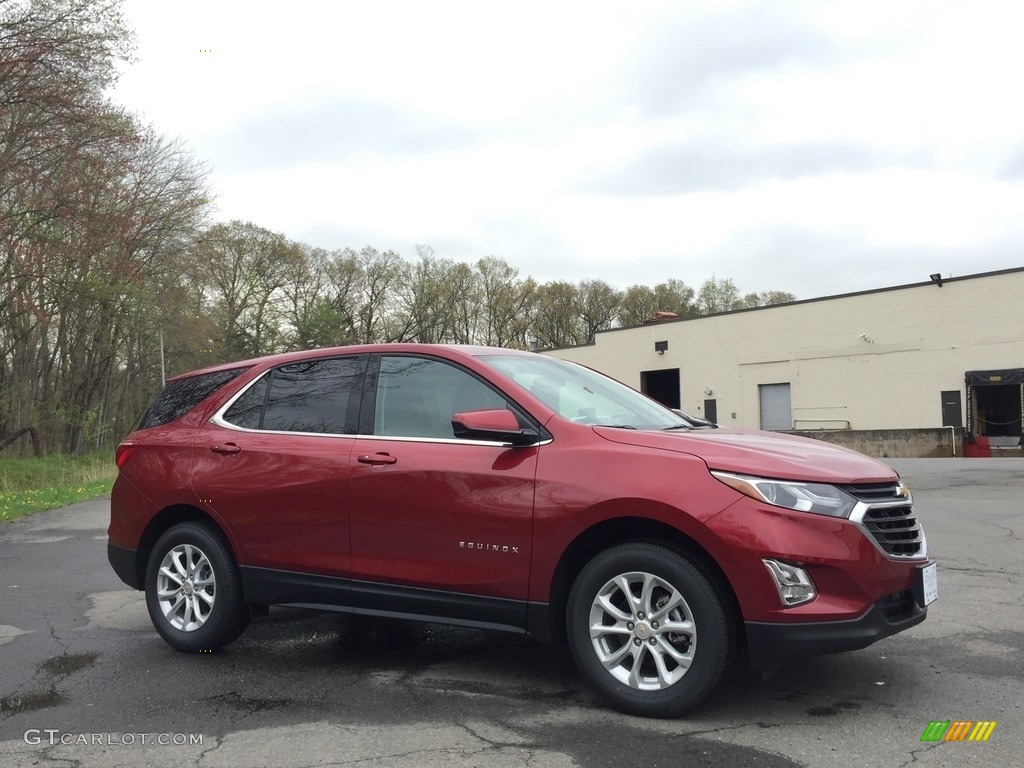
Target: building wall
{"x": 867, "y": 361}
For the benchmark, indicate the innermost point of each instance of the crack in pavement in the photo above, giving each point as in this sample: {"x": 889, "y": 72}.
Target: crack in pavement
{"x": 219, "y": 742}
{"x": 914, "y": 752}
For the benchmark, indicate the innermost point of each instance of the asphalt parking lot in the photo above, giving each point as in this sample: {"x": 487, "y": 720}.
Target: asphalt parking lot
{"x": 85, "y": 681}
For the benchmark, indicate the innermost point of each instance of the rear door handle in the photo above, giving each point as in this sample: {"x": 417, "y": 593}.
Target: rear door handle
{"x": 225, "y": 448}
{"x": 377, "y": 460}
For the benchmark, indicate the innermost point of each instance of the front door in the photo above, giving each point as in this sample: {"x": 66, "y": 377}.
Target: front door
{"x": 431, "y": 511}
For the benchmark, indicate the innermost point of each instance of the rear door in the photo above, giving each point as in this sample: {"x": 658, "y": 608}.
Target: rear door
{"x": 273, "y": 465}
{"x": 429, "y": 510}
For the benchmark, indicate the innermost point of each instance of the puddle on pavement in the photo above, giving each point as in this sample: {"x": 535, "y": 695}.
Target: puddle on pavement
{"x": 30, "y": 702}
{"x": 57, "y": 667}
{"x": 247, "y": 704}
{"x": 62, "y": 666}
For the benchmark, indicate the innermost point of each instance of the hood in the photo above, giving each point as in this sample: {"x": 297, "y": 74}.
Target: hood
{"x": 765, "y": 454}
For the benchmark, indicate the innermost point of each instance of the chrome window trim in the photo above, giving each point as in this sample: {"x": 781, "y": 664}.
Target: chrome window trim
{"x": 218, "y": 417}
{"x": 448, "y": 441}
{"x": 220, "y": 421}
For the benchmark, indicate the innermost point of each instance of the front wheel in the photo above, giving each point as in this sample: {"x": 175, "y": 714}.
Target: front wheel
{"x": 648, "y": 630}
{"x": 193, "y": 590}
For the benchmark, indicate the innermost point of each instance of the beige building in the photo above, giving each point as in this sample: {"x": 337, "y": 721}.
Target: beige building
{"x": 898, "y": 371}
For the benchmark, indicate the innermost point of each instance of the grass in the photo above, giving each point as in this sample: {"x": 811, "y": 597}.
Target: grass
{"x": 32, "y": 485}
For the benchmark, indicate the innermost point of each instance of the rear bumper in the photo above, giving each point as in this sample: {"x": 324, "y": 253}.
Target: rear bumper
{"x": 122, "y": 560}
{"x": 771, "y": 645}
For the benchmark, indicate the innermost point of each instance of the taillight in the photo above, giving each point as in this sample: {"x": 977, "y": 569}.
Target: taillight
{"x": 124, "y": 450}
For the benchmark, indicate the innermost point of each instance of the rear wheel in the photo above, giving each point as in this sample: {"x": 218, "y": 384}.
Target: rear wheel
{"x": 194, "y": 591}
{"x": 648, "y": 630}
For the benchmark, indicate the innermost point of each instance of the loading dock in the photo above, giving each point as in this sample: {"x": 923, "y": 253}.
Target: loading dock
{"x": 995, "y": 403}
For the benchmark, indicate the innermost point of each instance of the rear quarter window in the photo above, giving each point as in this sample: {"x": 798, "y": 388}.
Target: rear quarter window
{"x": 182, "y": 395}
{"x": 314, "y": 396}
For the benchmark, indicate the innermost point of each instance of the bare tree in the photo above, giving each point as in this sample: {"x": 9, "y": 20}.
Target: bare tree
{"x": 506, "y": 303}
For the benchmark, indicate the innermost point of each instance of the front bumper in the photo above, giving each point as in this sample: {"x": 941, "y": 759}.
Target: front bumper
{"x": 771, "y": 644}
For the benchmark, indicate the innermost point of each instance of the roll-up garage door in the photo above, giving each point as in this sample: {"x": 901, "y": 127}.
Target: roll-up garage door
{"x": 776, "y": 411}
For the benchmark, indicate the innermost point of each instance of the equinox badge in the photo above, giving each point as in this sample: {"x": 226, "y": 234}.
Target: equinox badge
{"x": 489, "y": 547}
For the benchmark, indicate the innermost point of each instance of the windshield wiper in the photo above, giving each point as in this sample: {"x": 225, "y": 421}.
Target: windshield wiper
{"x": 616, "y": 426}
{"x": 678, "y": 426}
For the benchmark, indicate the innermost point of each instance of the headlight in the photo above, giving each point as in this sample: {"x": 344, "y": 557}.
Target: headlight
{"x": 818, "y": 498}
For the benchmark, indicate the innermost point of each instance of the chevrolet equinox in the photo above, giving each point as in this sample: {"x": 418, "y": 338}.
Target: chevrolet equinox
{"x": 512, "y": 491}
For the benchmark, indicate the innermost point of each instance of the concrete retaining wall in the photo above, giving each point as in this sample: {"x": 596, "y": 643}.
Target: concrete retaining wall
{"x": 897, "y": 443}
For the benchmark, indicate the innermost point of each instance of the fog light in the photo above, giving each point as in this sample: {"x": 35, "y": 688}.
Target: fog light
{"x": 794, "y": 584}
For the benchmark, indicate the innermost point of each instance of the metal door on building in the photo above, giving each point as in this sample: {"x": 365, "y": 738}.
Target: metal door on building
{"x": 711, "y": 411}
{"x": 952, "y": 411}
{"x": 776, "y": 406}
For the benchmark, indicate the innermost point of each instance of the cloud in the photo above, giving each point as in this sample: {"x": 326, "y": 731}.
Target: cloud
{"x": 691, "y": 56}
{"x": 331, "y": 131}
{"x": 1013, "y": 168}
{"x": 529, "y": 246}
{"x": 812, "y": 263}
{"x": 702, "y": 166}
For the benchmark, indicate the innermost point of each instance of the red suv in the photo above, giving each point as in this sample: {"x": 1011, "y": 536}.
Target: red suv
{"x": 507, "y": 490}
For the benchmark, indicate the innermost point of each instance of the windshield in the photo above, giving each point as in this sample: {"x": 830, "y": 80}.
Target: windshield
{"x": 582, "y": 395}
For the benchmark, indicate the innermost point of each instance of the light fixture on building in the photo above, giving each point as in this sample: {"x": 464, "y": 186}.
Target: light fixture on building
{"x": 866, "y": 338}
{"x": 660, "y": 347}
{"x": 708, "y": 392}
{"x": 936, "y": 278}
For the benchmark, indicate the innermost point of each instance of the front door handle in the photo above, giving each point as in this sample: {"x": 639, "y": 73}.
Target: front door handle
{"x": 377, "y": 459}
{"x": 225, "y": 448}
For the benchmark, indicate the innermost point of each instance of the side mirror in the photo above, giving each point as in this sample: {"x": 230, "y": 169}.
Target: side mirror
{"x": 499, "y": 425}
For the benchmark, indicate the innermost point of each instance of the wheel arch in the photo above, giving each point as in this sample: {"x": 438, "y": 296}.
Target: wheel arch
{"x": 549, "y": 624}
{"x": 163, "y": 521}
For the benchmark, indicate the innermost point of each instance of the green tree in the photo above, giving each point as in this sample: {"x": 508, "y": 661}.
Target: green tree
{"x": 597, "y": 305}
{"x": 718, "y": 295}
{"x": 556, "y": 320}
{"x": 95, "y": 214}
{"x": 766, "y": 298}
{"x": 244, "y": 270}
{"x": 310, "y": 318}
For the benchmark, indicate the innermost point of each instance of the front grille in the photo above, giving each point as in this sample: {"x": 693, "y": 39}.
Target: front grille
{"x": 888, "y": 517}
{"x": 869, "y": 492}
{"x": 895, "y": 529}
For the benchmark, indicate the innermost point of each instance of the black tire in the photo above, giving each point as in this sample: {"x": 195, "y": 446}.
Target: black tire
{"x": 688, "y": 632}
{"x": 196, "y": 604}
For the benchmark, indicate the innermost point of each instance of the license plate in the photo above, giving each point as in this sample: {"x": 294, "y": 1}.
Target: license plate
{"x": 928, "y": 581}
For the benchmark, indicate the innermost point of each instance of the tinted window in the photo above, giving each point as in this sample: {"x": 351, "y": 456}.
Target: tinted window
{"x": 416, "y": 397}
{"x": 247, "y": 410}
{"x": 313, "y": 396}
{"x": 181, "y": 396}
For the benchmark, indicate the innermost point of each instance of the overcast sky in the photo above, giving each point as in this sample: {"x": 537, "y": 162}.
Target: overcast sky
{"x": 816, "y": 147}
